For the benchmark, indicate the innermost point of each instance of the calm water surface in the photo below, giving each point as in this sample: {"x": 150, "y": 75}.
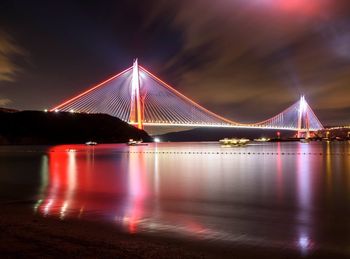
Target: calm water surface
{"x": 271, "y": 194}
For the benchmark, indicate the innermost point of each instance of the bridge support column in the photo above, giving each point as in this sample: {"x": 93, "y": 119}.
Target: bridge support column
{"x": 136, "y": 107}
{"x": 303, "y": 119}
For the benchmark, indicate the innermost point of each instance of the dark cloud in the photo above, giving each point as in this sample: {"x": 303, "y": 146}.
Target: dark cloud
{"x": 8, "y": 50}
{"x": 244, "y": 59}
{"x": 261, "y": 53}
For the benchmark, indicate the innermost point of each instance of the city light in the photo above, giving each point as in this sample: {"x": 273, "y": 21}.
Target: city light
{"x": 156, "y": 140}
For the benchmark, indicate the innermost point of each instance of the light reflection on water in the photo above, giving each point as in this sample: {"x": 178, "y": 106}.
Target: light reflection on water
{"x": 304, "y": 191}
{"x": 272, "y": 194}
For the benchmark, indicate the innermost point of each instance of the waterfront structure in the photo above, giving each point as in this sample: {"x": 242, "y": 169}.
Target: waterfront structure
{"x": 140, "y": 98}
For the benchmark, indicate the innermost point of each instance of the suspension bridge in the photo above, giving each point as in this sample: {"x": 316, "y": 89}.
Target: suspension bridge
{"x": 138, "y": 97}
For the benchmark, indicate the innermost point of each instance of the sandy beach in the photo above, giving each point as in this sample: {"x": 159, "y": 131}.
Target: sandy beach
{"x": 26, "y": 235}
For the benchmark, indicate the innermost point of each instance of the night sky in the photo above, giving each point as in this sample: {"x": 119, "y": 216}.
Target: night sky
{"x": 243, "y": 59}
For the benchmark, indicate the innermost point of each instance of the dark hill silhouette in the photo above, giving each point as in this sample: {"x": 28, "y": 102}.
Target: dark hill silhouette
{"x": 35, "y": 127}
{"x": 7, "y": 110}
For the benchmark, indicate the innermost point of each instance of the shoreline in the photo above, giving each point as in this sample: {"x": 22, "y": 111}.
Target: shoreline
{"x": 29, "y": 235}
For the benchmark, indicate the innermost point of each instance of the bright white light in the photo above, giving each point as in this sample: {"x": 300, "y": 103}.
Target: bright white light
{"x": 304, "y": 243}
{"x": 37, "y": 205}
{"x": 56, "y": 110}
{"x": 47, "y": 207}
{"x": 63, "y": 210}
{"x": 303, "y": 104}
{"x": 71, "y": 111}
{"x": 156, "y": 140}
{"x": 45, "y": 110}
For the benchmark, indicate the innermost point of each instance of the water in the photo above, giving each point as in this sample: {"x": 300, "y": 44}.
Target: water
{"x": 291, "y": 195}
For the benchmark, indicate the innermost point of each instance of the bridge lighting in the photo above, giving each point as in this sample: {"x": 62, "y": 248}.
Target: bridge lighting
{"x": 303, "y": 104}
{"x": 71, "y": 111}
{"x": 45, "y": 110}
{"x": 156, "y": 140}
{"x": 278, "y": 134}
{"x": 90, "y": 90}
{"x": 172, "y": 110}
{"x": 304, "y": 242}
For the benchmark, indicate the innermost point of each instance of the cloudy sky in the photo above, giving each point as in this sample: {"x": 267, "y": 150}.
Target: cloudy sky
{"x": 244, "y": 59}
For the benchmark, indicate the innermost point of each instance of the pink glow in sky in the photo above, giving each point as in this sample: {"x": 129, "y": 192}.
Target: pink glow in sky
{"x": 297, "y": 7}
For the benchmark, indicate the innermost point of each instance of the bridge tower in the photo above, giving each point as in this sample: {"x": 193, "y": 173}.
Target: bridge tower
{"x": 303, "y": 119}
{"x": 136, "y": 106}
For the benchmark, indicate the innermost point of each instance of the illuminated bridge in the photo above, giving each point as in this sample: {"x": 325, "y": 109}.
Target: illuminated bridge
{"x": 140, "y": 98}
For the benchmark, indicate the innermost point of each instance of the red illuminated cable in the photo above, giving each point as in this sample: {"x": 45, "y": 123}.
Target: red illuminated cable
{"x": 186, "y": 98}
{"x": 91, "y": 89}
{"x": 164, "y": 105}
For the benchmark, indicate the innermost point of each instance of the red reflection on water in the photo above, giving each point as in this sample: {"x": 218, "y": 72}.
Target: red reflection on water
{"x": 61, "y": 183}
{"x": 78, "y": 184}
{"x": 137, "y": 191}
{"x": 279, "y": 173}
{"x": 195, "y": 228}
{"x": 85, "y": 182}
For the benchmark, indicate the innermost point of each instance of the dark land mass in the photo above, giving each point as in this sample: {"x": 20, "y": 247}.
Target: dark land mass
{"x": 50, "y": 128}
{"x": 215, "y": 134}
{"x": 8, "y": 110}
{"x": 24, "y": 234}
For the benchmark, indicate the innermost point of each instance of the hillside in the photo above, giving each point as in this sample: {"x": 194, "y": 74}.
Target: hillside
{"x": 214, "y": 134}
{"x": 43, "y": 128}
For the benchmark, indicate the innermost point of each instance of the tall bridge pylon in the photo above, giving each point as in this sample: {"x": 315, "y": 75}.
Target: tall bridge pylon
{"x": 137, "y": 102}
{"x": 140, "y": 98}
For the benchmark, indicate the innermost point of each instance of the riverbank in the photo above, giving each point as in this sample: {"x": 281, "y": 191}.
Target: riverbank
{"x": 27, "y": 235}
